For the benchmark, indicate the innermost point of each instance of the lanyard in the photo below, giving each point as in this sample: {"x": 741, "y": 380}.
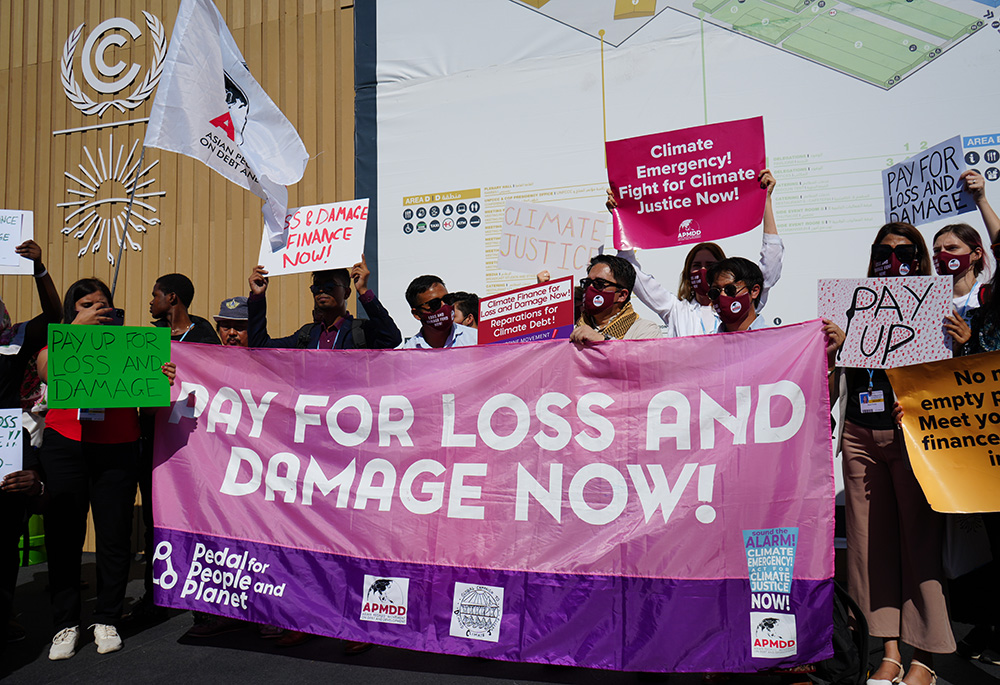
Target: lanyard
{"x": 186, "y": 331}
{"x": 871, "y": 375}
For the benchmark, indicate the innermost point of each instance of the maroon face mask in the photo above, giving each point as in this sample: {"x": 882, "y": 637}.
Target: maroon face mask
{"x": 948, "y": 264}
{"x": 440, "y": 319}
{"x": 596, "y": 301}
{"x": 732, "y": 310}
{"x": 699, "y": 281}
{"x": 894, "y": 261}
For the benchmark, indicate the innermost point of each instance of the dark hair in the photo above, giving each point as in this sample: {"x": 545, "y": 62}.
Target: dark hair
{"x": 970, "y": 236}
{"x": 911, "y": 233}
{"x": 82, "y": 288}
{"x": 685, "y": 291}
{"x": 178, "y": 284}
{"x": 742, "y": 270}
{"x": 418, "y": 285}
{"x": 623, "y": 272}
{"x": 341, "y": 276}
{"x": 467, "y": 303}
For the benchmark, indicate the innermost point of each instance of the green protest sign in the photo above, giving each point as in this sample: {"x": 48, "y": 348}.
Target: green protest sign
{"x": 107, "y": 366}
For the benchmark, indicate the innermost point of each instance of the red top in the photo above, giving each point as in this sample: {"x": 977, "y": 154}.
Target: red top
{"x": 118, "y": 426}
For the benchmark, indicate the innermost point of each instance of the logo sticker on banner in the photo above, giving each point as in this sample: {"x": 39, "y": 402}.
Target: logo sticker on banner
{"x": 477, "y": 612}
{"x": 773, "y": 635}
{"x": 385, "y": 599}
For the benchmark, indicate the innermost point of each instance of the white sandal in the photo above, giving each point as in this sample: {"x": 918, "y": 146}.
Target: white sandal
{"x": 883, "y": 681}
{"x": 914, "y": 662}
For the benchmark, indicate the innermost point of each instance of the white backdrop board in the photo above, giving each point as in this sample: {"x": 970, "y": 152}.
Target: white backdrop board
{"x": 483, "y": 102}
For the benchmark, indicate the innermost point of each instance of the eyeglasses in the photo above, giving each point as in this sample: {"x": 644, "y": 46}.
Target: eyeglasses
{"x": 598, "y": 283}
{"x": 325, "y": 287}
{"x": 729, "y": 289}
{"x": 431, "y": 305}
{"x": 904, "y": 253}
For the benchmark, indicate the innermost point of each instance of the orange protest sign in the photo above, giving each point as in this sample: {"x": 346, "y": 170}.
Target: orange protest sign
{"x": 951, "y": 424}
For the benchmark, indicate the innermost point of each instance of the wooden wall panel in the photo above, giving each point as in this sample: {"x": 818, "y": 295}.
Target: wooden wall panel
{"x": 301, "y": 51}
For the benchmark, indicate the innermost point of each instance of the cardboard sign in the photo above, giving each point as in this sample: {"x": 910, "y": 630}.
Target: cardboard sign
{"x": 889, "y": 322}
{"x": 927, "y": 187}
{"x": 536, "y": 237}
{"x": 107, "y": 366}
{"x": 11, "y": 455}
{"x": 951, "y": 423}
{"x": 15, "y": 228}
{"x": 687, "y": 186}
{"x": 329, "y": 236}
{"x": 537, "y": 312}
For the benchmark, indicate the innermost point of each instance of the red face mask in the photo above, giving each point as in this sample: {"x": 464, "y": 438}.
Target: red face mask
{"x": 440, "y": 319}
{"x": 732, "y": 310}
{"x": 699, "y": 281}
{"x": 948, "y": 264}
{"x": 596, "y": 301}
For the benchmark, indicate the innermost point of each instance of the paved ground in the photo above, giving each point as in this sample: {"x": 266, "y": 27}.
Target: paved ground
{"x": 161, "y": 654}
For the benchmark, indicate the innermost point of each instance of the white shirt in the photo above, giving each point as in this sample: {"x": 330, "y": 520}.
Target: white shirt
{"x": 688, "y": 317}
{"x": 460, "y": 336}
{"x": 758, "y": 323}
{"x": 966, "y": 304}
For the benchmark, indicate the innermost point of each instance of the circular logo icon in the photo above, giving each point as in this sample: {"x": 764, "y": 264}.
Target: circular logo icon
{"x": 435, "y": 210}
{"x": 460, "y": 208}
{"x": 991, "y": 156}
{"x": 462, "y": 222}
{"x": 479, "y": 611}
{"x": 904, "y": 269}
{"x": 407, "y": 228}
{"x": 421, "y": 227}
{"x": 448, "y": 209}
{"x": 598, "y": 300}
{"x": 435, "y": 224}
{"x": 992, "y": 174}
{"x": 407, "y": 214}
{"x": 448, "y": 224}
{"x": 735, "y": 307}
{"x": 953, "y": 264}
{"x": 473, "y": 206}
{"x": 972, "y": 157}
{"x": 421, "y": 212}
{"x": 474, "y": 221}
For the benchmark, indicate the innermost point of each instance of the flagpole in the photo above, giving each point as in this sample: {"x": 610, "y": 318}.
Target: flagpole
{"x": 128, "y": 217}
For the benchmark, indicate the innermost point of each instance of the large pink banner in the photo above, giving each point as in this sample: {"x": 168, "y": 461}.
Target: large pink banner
{"x": 637, "y": 470}
{"x": 689, "y": 186}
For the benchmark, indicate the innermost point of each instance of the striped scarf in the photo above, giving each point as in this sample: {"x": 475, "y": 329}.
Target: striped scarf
{"x": 618, "y": 326}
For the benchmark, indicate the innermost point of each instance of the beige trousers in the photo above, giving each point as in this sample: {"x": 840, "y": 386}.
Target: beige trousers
{"x": 894, "y": 542}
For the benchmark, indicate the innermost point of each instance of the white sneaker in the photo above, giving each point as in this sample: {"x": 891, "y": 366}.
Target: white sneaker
{"x": 64, "y": 643}
{"x": 106, "y": 638}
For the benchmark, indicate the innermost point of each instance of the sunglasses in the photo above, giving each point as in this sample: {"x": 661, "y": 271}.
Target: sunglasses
{"x": 598, "y": 283}
{"x": 325, "y": 287}
{"x": 431, "y": 305}
{"x": 904, "y": 253}
{"x": 729, "y": 289}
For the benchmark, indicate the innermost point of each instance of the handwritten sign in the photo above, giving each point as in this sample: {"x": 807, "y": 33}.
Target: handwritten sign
{"x": 687, "y": 186}
{"x": 10, "y": 441}
{"x": 107, "y": 366}
{"x": 320, "y": 237}
{"x": 536, "y": 237}
{"x": 537, "y": 312}
{"x": 15, "y": 228}
{"x": 951, "y": 423}
{"x": 927, "y": 187}
{"x": 889, "y": 322}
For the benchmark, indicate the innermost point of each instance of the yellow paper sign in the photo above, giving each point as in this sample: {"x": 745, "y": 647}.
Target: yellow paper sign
{"x": 951, "y": 423}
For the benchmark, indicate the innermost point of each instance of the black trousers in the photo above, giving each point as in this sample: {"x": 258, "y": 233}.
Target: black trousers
{"x": 12, "y": 513}
{"x": 79, "y": 475}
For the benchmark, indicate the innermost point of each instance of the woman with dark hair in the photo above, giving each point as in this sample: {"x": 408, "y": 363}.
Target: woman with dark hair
{"x": 690, "y": 312}
{"x": 89, "y": 457}
{"x": 894, "y": 538}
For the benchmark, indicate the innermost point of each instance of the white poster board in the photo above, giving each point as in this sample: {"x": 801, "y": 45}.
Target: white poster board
{"x": 560, "y": 240}
{"x": 327, "y": 236}
{"x": 11, "y": 456}
{"x": 15, "y": 227}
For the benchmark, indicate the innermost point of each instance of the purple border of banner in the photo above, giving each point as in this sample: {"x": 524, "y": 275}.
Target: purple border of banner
{"x": 588, "y": 611}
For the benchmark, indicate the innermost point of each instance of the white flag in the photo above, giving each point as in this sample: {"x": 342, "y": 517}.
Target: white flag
{"x": 208, "y": 106}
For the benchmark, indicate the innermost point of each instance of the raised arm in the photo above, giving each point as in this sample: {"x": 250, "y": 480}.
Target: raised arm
{"x": 976, "y": 184}
{"x": 772, "y": 250}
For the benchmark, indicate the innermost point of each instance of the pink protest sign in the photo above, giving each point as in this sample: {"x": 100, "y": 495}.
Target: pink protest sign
{"x": 536, "y": 312}
{"x": 688, "y": 186}
{"x": 889, "y": 322}
{"x": 661, "y": 505}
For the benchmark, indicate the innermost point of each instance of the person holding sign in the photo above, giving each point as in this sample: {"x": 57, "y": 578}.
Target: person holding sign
{"x": 19, "y": 343}
{"x": 607, "y": 312}
{"x": 334, "y": 328}
{"x": 690, "y": 312}
{"x": 893, "y": 536}
{"x": 90, "y": 460}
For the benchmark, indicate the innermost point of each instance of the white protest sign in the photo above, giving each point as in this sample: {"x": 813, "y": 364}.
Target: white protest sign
{"x": 889, "y": 322}
{"x": 10, "y": 441}
{"x": 328, "y": 236}
{"x": 537, "y": 237}
{"x": 927, "y": 187}
{"x": 15, "y": 228}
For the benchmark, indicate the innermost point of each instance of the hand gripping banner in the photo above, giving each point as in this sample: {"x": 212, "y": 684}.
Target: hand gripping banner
{"x": 662, "y": 505}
